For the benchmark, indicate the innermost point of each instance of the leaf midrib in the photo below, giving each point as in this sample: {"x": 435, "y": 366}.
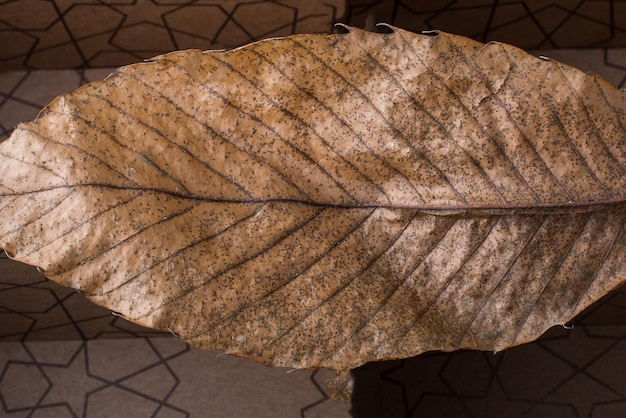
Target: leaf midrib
{"x": 469, "y": 209}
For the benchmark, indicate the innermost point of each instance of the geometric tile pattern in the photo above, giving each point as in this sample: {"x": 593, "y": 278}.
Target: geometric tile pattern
{"x": 24, "y": 93}
{"x": 567, "y": 373}
{"x": 52, "y": 34}
{"x": 151, "y": 377}
{"x": 574, "y": 372}
{"x": 85, "y": 369}
{"x": 34, "y": 308}
{"x": 529, "y": 24}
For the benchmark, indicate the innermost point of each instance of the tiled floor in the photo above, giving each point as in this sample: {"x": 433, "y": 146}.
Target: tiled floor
{"x": 529, "y": 24}
{"x": 151, "y": 377}
{"x": 46, "y": 34}
{"x": 568, "y": 373}
{"x": 63, "y": 357}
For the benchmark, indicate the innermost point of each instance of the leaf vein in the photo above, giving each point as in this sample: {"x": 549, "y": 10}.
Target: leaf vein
{"x": 619, "y": 234}
{"x": 210, "y": 128}
{"x": 429, "y": 114}
{"x": 594, "y": 124}
{"x": 562, "y": 128}
{"x": 387, "y": 297}
{"x": 505, "y": 273}
{"x": 471, "y": 64}
{"x": 280, "y": 238}
{"x": 338, "y": 291}
{"x": 531, "y": 306}
{"x": 103, "y": 251}
{"x": 84, "y": 222}
{"x": 467, "y": 111}
{"x": 304, "y": 269}
{"x": 293, "y": 116}
{"x": 383, "y": 160}
{"x": 43, "y": 213}
{"x": 449, "y": 281}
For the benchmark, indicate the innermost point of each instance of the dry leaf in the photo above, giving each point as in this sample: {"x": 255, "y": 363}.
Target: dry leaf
{"x": 325, "y": 201}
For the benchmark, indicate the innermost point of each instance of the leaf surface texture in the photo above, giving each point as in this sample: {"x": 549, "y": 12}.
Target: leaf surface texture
{"x": 325, "y": 201}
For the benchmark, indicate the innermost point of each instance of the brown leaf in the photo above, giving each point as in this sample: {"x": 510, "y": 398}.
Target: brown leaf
{"x": 324, "y": 201}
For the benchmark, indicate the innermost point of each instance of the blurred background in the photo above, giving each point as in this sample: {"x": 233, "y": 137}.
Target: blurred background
{"x": 61, "y": 356}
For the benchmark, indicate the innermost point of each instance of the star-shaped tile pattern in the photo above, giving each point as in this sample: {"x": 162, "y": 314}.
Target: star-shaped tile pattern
{"x": 66, "y": 33}
{"x": 69, "y": 34}
{"x": 152, "y": 377}
{"x": 33, "y": 308}
{"x": 528, "y": 24}
{"x": 569, "y": 373}
{"x": 71, "y": 383}
{"x": 144, "y": 11}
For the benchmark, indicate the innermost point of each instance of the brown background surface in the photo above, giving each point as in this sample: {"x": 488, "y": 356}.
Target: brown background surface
{"x": 61, "y": 356}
